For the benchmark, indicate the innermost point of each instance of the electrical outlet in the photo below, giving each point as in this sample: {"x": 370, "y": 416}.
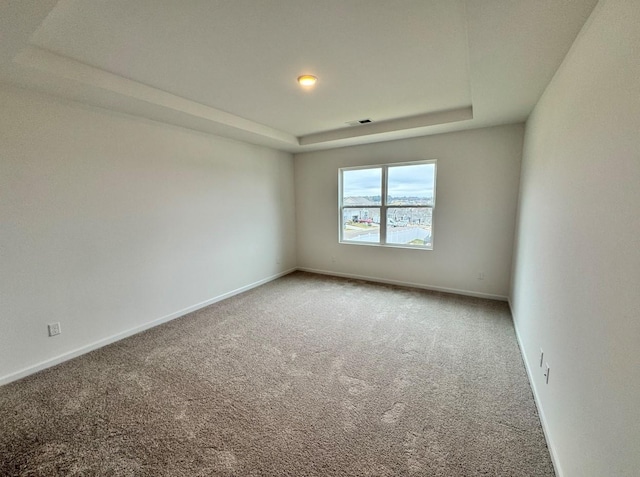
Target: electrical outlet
{"x": 546, "y": 373}
{"x": 480, "y": 275}
{"x": 333, "y": 259}
{"x": 541, "y": 357}
{"x": 278, "y": 260}
{"x": 54, "y": 329}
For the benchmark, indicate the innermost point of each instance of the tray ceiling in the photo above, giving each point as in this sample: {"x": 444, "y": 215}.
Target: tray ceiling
{"x": 229, "y": 68}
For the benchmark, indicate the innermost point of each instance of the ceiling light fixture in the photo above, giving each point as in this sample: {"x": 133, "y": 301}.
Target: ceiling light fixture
{"x": 307, "y": 80}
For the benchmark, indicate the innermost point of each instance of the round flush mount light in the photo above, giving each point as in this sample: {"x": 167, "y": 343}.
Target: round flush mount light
{"x": 307, "y": 80}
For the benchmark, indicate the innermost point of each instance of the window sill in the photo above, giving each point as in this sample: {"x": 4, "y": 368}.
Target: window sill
{"x": 384, "y": 245}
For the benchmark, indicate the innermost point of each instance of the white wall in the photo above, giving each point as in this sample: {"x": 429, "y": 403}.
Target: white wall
{"x": 110, "y": 222}
{"x": 474, "y": 219}
{"x": 576, "y": 285}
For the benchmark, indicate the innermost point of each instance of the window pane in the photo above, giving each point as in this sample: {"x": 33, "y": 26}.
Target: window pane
{"x": 362, "y": 187}
{"x": 411, "y": 185}
{"x": 409, "y": 226}
{"x": 361, "y": 224}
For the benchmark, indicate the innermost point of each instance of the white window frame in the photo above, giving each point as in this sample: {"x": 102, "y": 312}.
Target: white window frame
{"x": 384, "y": 207}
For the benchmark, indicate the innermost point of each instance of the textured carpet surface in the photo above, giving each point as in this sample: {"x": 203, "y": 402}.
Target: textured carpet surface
{"x": 305, "y": 376}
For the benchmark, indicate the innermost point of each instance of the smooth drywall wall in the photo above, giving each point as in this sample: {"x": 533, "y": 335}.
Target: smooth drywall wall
{"x": 110, "y": 222}
{"x": 474, "y": 218}
{"x": 576, "y": 282}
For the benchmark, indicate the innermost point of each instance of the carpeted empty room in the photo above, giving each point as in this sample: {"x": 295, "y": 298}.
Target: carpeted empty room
{"x": 308, "y": 375}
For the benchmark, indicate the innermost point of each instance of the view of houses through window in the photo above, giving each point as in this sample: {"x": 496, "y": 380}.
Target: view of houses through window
{"x": 390, "y": 204}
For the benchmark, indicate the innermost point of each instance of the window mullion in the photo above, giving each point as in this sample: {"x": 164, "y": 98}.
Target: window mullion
{"x": 383, "y": 207}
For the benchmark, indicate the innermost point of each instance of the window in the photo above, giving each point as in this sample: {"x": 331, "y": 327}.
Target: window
{"x": 389, "y": 204}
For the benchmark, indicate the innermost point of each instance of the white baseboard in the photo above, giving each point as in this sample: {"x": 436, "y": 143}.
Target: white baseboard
{"x": 132, "y": 331}
{"x": 536, "y": 399}
{"x": 406, "y": 284}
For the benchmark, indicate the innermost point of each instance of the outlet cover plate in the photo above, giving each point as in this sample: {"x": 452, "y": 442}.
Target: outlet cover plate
{"x": 546, "y": 373}
{"x": 54, "y": 329}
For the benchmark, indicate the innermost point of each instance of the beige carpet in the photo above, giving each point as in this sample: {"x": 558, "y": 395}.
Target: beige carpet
{"x": 304, "y": 376}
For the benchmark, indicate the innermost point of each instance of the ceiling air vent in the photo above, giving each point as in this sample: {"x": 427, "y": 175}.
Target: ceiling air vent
{"x": 358, "y": 122}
